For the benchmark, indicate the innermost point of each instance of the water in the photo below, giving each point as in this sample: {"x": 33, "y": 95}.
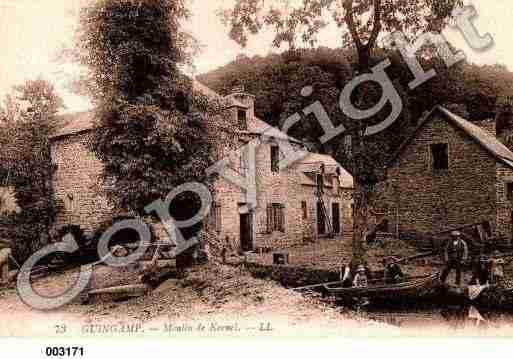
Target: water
{"x": 437, "y": 315}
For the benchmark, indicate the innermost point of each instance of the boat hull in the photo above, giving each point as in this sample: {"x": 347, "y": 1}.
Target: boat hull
{"x": 411, "y": 289}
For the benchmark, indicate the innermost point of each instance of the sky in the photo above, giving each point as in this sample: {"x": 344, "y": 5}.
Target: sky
{"x": 33, "y": 31}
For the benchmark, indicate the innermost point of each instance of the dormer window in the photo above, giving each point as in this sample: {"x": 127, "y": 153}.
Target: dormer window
{"x": 242, "y": 119}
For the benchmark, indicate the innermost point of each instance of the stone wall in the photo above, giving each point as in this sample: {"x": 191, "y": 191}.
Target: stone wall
{"x": 77, "y": 184}
{"x": 430, "y": 201}
{"x": 283, "y": 187}
{"x": 77, "y": 187}
{"x": 504, "y": 206}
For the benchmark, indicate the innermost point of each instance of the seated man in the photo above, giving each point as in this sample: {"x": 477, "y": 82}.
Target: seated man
{"x": 481, "y": 272}
{"x": 345, "y": 276}
{"x": 393, "y": 272}
{"x": 497, "y": 269}
{"x": 5, "y": 252}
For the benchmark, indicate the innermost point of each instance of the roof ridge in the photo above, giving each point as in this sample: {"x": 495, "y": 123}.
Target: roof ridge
{"x": 485, "y": 139}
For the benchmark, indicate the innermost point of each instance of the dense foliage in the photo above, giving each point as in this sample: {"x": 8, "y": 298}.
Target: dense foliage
{"x": 151, "y": 139}
{"x": 472, "y": 91}
{"x": 361, "y": 24}
{"x": 28, "y": 121}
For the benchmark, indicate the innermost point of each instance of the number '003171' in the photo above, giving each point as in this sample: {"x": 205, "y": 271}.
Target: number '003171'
{"x": 64, "y": 351}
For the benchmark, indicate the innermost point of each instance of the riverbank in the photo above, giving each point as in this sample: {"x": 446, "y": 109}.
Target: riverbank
{"x": 212, "y": 300}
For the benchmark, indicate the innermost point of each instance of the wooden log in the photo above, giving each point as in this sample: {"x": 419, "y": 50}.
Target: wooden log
{"x": 116, "y": 293}
{"x": 155, "y": 276}
{"x": 122, "y": 289}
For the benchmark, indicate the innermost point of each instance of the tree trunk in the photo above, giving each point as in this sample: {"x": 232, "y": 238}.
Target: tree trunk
{"x": 364, "y": 59}
{"x": 361, "y": 211}
{"x": 361, "y": 189}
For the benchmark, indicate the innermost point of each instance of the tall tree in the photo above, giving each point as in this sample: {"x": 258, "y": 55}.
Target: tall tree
{"x": 29, "y": 120}
{"x": 154, "y": 134}
{"x": 361, "y": 23}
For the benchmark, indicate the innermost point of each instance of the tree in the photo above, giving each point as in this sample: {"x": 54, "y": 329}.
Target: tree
{"x": 29, "y": 120}
{"x": 154, "y": 131}
{"x": 365, "y": 21}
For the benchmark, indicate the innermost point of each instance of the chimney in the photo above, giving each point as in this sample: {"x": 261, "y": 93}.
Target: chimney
{"x": 488, "y": 125}
{"x": 239, "y": 94}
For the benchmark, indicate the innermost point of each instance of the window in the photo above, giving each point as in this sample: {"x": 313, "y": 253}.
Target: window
{"x": 440, "y": 156}
{"x": 242, "y": 119}
{"x": 304, "y": 209}
{"x": 509, "y": 191}
{"x": 275, "y": 159}
{"x": 275, "y": 217}
{"x": 215, "y": 217}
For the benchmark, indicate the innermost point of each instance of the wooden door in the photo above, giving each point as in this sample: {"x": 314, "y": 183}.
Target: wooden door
{"x": 246, "y": 232}
{"x": 335, "y": 215}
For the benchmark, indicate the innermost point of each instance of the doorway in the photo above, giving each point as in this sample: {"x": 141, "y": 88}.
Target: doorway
{"x": 246, "y": 232}
{"x": 335, "y": 214}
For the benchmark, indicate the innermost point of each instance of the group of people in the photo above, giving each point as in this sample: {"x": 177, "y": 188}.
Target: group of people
{"x": 392, "y": 274}
{"x": 485, "y": 270}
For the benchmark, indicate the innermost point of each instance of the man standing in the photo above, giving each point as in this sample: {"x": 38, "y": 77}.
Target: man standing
{"x": 456, "y": 253}
{"x": 5, "y": 252}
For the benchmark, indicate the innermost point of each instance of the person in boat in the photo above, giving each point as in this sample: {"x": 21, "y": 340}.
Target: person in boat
{"x": 345, "y": 276}
{"x": 393, "y": 272}
{"x": 481, "y": 273}
{"x": 497, "y": 269}
{"x": 455, "y": 255}
{"x": 360, "y": 279}
{"x": 5, "y": 252}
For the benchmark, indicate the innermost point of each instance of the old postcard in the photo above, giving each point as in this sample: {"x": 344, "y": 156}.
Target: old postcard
{"x": 249, "y": 169}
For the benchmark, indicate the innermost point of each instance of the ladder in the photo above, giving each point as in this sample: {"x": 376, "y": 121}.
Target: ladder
{"x": 324, "y": 210}
{"x": 327, "y": 220}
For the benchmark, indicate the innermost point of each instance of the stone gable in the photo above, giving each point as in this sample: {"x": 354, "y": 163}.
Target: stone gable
{"x": 420, "y": 198}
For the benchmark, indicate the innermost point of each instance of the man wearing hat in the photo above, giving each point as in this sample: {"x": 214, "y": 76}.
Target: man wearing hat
{"x": 392, "y": 270}
{"x": 5, "y": 252}
{"x": 456, "y": 253}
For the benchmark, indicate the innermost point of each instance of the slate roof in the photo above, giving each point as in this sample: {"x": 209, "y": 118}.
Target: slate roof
{"x": 485, "y": 139}
{"x": 79, "y": 122}
{"x": 83, "y": 121}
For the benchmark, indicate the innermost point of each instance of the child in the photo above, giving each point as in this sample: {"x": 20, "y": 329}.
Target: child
{"x": 360, "y": 279}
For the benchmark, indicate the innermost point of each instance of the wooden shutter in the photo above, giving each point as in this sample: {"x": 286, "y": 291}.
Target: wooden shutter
{"x": 282, "y": 217}
{"x": 269, "y": 218}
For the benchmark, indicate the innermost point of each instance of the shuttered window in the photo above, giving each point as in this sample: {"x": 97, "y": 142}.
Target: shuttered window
{"x": 275, "y": 217}
{"x": 275, "y": 159}
{"x": 215, "y": 217}
{"x": 304, "y": 209}
{"x": 242, "y": 119}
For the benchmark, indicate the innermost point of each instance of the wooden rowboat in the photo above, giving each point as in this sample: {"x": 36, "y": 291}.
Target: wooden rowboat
{"x": 411, "y": 288}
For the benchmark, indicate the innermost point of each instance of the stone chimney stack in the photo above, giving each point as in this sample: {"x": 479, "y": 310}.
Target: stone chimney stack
{"x": 489, "y": 126}
{"x": 238, "y": 93}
